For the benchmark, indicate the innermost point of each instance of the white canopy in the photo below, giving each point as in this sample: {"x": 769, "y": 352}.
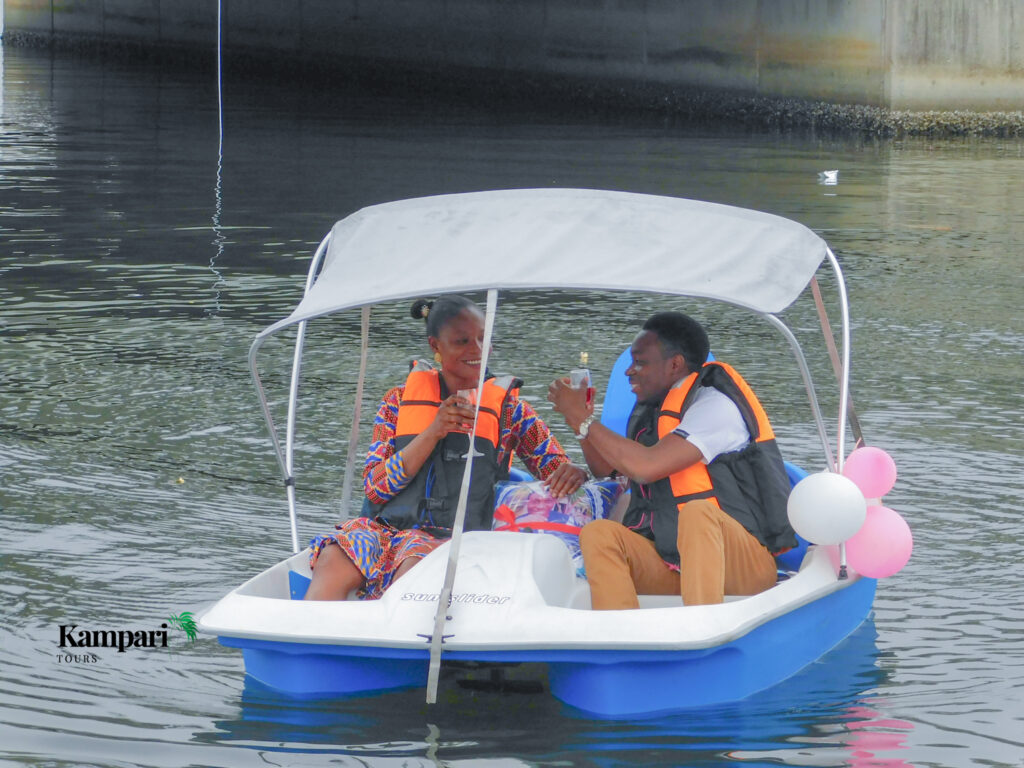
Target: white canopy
{"x": 561, "y": 238}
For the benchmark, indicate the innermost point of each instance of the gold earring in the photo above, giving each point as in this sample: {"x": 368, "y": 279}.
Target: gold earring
{"x": 437, "y": 358}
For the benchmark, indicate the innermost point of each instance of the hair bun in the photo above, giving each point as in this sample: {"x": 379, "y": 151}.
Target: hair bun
{"x": 420, "y": 309}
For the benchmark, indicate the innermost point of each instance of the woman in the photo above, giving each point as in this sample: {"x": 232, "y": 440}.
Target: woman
{"x": 413, "y": 470}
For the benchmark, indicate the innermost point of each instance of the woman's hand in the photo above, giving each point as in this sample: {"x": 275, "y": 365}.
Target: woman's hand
{"x": 454, "y": 415}
{"x": 566, "y": 479}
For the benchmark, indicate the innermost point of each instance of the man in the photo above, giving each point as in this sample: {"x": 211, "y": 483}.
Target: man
{"x": 708, "y": 486}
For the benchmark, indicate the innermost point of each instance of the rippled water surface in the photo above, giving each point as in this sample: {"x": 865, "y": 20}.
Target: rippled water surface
{"x": 137, "y": 263}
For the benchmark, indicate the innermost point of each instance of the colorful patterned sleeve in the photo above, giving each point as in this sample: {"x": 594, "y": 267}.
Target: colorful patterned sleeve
{"x": 384, "y": 472}
{"x": 531, "y": 439}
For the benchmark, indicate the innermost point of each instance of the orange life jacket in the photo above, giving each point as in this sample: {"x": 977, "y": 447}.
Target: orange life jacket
{"x": 430, "y": 499}
{"x": 749, "y": 484}
{"x": 422, "y": 397}
{"x": 694, "y": 482}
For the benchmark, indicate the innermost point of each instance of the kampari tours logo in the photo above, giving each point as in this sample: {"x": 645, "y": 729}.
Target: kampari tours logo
{"x": 78, "y": 644}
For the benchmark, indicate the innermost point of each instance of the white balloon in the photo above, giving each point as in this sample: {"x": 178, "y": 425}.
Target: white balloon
{"x": 826, "y": 508}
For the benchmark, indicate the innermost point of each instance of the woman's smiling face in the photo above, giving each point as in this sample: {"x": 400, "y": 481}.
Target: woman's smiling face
{"x": 460, "y": 344}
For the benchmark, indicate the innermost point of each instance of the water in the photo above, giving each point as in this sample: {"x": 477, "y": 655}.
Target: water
{"x": 136, "y": 265}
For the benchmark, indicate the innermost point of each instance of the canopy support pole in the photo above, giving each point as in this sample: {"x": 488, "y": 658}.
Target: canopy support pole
{"x": 845, "y": 406}
{"x": 844, "y": 370}
{"x": 289, "y": 433}
{"x": 357, "y": 412}
{"x": 805, "y": 373}
{"x": 833, "y": 354}
{"x": 444, "y": 598}
{"x": 285, "y": 457}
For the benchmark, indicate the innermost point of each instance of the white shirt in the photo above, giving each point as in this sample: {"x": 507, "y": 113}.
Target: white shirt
{"x": 713, "y": 424}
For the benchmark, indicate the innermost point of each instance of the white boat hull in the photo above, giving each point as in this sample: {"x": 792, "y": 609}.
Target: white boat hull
{"x": 516, "y": 599}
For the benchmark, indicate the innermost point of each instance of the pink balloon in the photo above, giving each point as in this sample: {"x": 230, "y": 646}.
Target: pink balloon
{"x": 882, "y": 546}
{"x": 872, "y": 470}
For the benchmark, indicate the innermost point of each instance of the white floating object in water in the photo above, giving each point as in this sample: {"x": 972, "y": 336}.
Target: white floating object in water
{"x": 828, "y": 177}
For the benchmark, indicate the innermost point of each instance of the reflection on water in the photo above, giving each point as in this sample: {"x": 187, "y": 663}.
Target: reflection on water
{"x": 138, "y": 258}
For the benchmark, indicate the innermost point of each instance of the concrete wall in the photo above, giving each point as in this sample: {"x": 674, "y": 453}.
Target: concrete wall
{"x": 961, "y": 53}
{"x": 901, "y": 54}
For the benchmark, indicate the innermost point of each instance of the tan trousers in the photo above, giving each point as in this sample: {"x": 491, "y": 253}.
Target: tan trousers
{"x": 717, "y": 557}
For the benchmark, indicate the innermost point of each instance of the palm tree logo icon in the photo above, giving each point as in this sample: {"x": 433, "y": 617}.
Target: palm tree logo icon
{"x": 186, "y": 623}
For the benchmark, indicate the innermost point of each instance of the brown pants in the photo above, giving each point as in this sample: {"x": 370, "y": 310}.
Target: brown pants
{"x": 717, "y": 557}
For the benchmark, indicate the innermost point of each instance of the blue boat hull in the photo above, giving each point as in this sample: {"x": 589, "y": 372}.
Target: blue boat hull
{"x": 619, "y": 684}
{"x": 609, "y": 683}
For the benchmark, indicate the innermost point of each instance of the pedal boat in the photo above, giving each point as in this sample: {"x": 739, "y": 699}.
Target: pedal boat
{"x": 512, "y": 599}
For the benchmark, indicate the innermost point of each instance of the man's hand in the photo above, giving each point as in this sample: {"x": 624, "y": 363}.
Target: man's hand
{"x": 570, "y": 402}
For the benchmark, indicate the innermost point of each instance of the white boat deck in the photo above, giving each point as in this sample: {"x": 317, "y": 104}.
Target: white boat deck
{"x": 512, "y": 591}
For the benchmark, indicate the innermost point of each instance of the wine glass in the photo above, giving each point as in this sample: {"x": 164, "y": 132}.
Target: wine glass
{"x": 472, "y": 396}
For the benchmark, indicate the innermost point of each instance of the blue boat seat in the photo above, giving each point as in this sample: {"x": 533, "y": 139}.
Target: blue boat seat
{"x": 790, "y": 561}
{"x": 517, "y": 475}
{"x": 297, "y": 585}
